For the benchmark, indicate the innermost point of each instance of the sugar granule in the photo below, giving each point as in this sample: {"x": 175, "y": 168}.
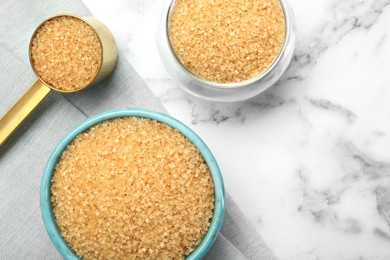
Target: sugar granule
{"x": 226, "y": 41}
{"x": 66, "y": 53}
{"x": 132, "y": 188}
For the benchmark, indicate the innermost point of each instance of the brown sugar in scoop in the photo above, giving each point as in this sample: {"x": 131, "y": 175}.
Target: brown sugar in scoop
{"x": 66, "y": 53}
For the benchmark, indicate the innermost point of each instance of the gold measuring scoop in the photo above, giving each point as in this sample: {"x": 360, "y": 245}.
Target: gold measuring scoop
{"x": 39, "y": 89}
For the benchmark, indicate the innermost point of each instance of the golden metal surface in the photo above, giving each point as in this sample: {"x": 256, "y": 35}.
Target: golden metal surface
{"x": 39, "y": 89}
{"x": 22, "y": 108}
{"x": 109, "y": 51}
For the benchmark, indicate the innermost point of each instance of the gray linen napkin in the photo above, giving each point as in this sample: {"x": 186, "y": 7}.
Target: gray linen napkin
{"x": 22, "y": 157}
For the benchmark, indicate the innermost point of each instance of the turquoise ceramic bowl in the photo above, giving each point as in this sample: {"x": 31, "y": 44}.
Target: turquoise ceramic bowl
{"x": 46, "y": 206}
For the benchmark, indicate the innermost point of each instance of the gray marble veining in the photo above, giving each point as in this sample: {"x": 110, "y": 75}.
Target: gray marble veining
{"x": 308, "y": 161}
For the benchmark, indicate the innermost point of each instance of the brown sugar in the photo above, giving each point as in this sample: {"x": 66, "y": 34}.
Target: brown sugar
{"x": 132, "y": 188}
{"x": 226, "y": 41}
{"x": 66, "y": 53}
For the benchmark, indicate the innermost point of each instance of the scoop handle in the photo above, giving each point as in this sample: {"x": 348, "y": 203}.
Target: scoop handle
{"x": 22, "y": 108}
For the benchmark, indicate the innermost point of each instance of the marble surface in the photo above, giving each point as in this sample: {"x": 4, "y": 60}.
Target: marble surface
{"x": 308, "y": 161}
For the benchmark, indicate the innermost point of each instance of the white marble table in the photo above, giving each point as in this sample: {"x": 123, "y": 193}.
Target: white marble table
{"x": 309, "y": 160}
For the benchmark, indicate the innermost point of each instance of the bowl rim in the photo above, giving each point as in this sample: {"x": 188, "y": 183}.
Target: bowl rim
{"x": 219, "y": 191}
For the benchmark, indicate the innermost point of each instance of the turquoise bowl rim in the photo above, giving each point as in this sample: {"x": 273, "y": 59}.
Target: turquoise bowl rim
{"x": 219, "y": 191}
